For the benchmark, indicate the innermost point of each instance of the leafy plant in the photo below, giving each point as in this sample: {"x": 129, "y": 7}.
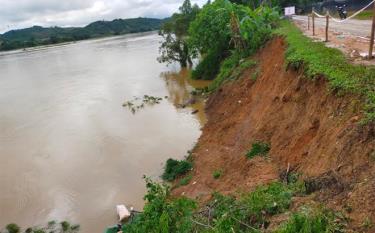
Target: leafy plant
{"x": 162, "y": 213}
{"x": 258, "y": 149}
{"x": 175, "y": 168}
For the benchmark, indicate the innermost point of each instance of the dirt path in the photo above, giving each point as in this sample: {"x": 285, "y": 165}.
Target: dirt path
{"x": 353, "y": 27}
{"x": 354, "y": 46}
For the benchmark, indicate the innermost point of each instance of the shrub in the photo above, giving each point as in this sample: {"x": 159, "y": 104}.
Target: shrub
{"x": 162, "y": 213}
{"x": 13, "y": 228}
{"x": 258, "y": 149}
{"x": 209, "y": 66}
{"x": 175, "y": 168}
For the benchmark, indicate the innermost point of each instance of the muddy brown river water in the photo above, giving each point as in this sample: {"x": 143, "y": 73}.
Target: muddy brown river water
{"x": 68, "y": 149}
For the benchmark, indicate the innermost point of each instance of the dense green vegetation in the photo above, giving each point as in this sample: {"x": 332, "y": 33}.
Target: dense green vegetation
{"x": 223, "y": 29}
{"x": 318, "y": 60}
{"x": 317, "y": 220}
{"x": 250, "y": 212}
{"x": 37, "y": 35}
{"x": 52, "y": 226}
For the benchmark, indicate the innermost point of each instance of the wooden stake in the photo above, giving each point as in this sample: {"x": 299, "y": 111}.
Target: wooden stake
{"x": 327, "y": 25}
{"x": 372, "y": 36}
{"x": 313, "y": 23}
{"x": 308, "y": 22}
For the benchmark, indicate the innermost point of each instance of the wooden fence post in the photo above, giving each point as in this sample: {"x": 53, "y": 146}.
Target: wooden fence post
{"x": 372, "y": 35}
{"x": 313, "y": 23}
{"x": 308, "y": 22}
{"x": 327, "y": 25}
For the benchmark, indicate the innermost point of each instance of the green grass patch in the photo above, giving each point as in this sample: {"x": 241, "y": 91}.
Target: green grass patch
{"x": 364, "y": 15}
{"x": 318, "y": 60}
{"x": 185, "y": 181}
{"x": 231, "y": 68}
{"x": 317, "y": 220}
{"x": 174, "y": 168}
{"x": 258, "y": 149}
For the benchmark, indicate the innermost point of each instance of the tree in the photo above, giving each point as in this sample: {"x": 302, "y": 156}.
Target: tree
{"x": 174, "y": 47}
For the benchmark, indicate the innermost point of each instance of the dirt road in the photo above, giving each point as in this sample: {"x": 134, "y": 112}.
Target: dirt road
{"x": 353, "y": 26}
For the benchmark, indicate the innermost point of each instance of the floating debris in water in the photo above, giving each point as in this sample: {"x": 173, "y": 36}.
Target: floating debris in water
{"x": 138, "y": 103}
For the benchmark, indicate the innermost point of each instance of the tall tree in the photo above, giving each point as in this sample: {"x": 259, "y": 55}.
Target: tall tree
{"x": 174, "y": 47}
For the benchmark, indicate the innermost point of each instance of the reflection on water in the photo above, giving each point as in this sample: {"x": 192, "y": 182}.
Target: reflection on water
{"x": 179, "y": 86}
{"x": 68, "y": 149}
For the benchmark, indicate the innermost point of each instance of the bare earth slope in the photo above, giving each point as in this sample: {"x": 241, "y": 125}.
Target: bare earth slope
{"x": 310, "y": 129}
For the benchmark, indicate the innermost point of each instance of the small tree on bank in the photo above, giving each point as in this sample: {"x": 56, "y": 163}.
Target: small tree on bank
{"x": 174, "y": 47}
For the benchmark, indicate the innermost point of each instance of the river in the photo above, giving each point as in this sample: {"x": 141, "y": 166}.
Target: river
{"x": 68, "y": 149}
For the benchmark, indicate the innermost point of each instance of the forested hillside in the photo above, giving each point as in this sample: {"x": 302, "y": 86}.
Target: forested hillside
{"x": 37, "y": 35}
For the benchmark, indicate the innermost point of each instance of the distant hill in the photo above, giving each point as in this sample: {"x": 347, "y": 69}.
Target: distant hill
{"x": 37, "y": 35}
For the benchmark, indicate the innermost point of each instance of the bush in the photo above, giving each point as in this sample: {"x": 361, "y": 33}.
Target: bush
{"x": 13, "y": 228}
{"x": 209, "y": 67}
{"x": 175, "y": 168}
{"x": 258, "y": 149}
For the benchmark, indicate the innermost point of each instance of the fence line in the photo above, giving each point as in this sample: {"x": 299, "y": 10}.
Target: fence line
{"x": 328, "y": 15}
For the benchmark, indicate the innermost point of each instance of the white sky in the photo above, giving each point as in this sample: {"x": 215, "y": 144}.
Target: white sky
{"x": 16, "y": 14}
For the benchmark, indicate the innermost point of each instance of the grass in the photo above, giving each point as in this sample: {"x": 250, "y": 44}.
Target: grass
{"x": 231, "y": 68}
{"x": 185, "y": 181}
{"x": 174, "y": 168}
{"x": 313, "y": 220}
{"x": 318, "y": 60}
{"x": 364, "y": 15}
{"x": 258, "y": 149}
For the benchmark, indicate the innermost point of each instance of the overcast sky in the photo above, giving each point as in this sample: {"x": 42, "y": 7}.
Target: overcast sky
{"x": 15, "y": 14}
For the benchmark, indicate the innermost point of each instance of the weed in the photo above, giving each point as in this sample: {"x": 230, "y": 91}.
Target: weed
{"x": 255, "y": 74}
{"x": 367, "y": 223}
{"x": 217, "y": 174}
{"x": 258, "y": 149}
{"x": 175, "y": 168}
{"x": 137, "y": 103}
{"x": 185, "y": 181}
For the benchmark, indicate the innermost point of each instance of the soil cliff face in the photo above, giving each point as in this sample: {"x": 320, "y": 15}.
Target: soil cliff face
{"x": 310, "y": 129}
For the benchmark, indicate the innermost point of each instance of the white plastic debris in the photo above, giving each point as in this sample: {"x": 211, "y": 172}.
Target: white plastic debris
{"x": 122, "y": 212}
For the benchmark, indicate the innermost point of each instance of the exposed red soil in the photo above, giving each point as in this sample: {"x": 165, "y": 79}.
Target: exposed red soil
{"x": 310, "y": 129}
